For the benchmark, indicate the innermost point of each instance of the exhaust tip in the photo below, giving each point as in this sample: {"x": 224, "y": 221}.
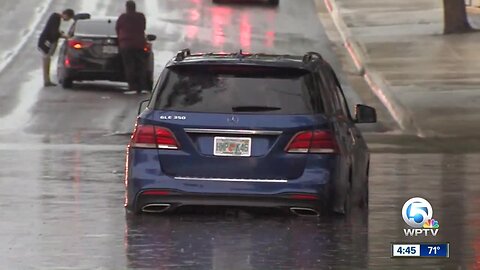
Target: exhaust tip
{"x": 303, "y": 212}
{"x": 156, "y": 207}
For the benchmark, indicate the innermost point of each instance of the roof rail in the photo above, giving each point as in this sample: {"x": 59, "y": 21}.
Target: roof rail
{"x": 182, "y": 54}
{"x": 309, "y": 56}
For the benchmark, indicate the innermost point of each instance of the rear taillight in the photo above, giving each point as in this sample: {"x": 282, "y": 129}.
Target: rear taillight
{"x": 165, "y": 139}
{"x": 147, "y": 47}
{"x": 317, "y": 141}
{"x": 78, "y": 44}
{"x": 148, "y": 136}
{"x": 67, "y": 62}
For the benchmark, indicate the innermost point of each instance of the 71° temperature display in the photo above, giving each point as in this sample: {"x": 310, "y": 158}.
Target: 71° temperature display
{"x": 433, "y": 250}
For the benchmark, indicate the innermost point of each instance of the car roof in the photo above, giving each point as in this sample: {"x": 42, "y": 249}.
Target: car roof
{"x": 309, "y": 61}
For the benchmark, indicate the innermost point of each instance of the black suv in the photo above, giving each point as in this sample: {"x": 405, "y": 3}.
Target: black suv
{"x": 251, "y": 130}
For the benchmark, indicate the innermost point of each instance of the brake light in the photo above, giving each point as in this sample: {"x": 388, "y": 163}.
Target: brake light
{"x": 67, "y": 62}
{"x": 148, "y": 136}
{"x": 78, "y": 44}
{"x": 147, "y": 47}
{"x": 165, "y": 139}
{"x": 317, "y": 141}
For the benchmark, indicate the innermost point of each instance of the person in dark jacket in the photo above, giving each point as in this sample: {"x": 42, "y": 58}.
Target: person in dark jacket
{"x": 130, "y": 29}
{"x": 47, "y": 43}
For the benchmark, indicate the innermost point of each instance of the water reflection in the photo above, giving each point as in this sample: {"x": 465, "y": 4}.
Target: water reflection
{"x": 245, "y": 31}
{"x": 221, "y": 19}
{"x": 447, "y": 182}
{"x": 245, "y": 242}
{"x": 72, "y": 202}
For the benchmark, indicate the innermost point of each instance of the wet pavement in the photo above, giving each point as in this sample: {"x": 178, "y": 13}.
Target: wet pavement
{"x": 62, "y": 162}
{"x": 62, "y": 209}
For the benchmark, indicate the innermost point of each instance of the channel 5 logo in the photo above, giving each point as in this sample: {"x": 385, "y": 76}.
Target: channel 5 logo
{"x": 418, "y": 214}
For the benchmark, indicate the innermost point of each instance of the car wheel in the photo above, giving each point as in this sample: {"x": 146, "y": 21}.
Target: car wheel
{"x": 364, "y": 204}
{"x": 365, "y": 197}
{"x": 347, "y": 204}
{"x": 67, "y": 83}
{"x": 150, "y": 82}
{"x": 274, "y": 2}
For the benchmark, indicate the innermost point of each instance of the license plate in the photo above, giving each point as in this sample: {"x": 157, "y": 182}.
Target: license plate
{"x": 232, "y": 147}
{"x": 110, "y": 49}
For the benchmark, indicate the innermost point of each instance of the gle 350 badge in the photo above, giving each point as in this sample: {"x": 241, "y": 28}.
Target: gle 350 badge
{"x": 418, "y": 214}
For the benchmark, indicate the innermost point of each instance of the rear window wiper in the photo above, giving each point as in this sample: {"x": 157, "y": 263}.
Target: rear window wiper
{"x": 254, "y": 108}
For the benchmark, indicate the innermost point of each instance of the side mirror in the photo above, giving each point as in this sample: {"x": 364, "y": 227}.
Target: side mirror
{"x": 142, "y": 106}
{"x": 151, "y": 37}
{"x": 365, "y": 114}
{"x": 81, "y": 16}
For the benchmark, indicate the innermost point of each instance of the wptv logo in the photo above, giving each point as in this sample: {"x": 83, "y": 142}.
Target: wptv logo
{"x": 417, "y": 213}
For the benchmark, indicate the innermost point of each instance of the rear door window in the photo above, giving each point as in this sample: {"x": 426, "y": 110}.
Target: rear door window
{"x": 238, "y": 89}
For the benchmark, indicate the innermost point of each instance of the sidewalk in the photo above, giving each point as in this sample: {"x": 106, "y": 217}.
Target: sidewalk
{"x": 430, "y": 83}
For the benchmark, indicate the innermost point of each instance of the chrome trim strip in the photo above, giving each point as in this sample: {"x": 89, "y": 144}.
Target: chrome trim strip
{"x": 322, "y": 151}
{"x": 233, "y": 131}
{"x": 153, "y": 146}
{"x": 232, "y": 179}
{"x": 169, "y": 147}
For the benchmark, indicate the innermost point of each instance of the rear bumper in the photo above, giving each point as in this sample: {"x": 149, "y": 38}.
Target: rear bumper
{"x": 175, "y": 199}
{"x": 311, "y": 190}
{"x": 86, "y": 74}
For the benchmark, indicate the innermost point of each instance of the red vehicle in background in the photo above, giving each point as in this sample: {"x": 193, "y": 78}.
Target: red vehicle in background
{"x": 270, "y": 2}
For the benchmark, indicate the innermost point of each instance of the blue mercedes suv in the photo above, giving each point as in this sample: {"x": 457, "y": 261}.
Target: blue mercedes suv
{"x": 248, "y": 130}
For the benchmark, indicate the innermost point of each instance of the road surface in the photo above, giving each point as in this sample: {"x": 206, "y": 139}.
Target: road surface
{"x": 62, "y": 162}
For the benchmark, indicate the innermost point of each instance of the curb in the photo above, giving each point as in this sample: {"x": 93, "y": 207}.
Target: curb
{"x": 374, "y": 80}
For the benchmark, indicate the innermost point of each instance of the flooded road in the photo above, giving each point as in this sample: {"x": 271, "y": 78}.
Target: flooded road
{"x": 62, "y": 208}
{"x": 62, "y": 164}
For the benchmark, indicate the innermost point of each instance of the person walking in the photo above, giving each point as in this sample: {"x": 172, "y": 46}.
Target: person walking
{"x": 47, "y": 43}
{"x": 130, "y": 29}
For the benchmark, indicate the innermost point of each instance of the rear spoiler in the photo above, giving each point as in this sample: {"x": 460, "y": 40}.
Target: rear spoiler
{"x": 81, "y": 16}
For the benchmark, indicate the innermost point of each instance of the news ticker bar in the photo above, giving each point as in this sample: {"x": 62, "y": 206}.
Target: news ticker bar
{"x": 421, "y": 250}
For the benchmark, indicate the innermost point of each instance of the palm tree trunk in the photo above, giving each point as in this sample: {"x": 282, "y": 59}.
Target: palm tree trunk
{"x": 455, "y": 15}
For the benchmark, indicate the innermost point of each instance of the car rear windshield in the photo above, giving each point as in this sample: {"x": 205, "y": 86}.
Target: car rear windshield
{"x": 237, "y": 89}
{"x": 96, "y": 28}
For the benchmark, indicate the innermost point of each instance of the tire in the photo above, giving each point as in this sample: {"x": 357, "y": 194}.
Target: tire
{"x": 364, "y": 202}
{"x": 366, "y": 192}
{"x": 274, "y": 2}
{"x": 150, "y": 82}
{"x": 348, "y": 203}
{"x": 67, "y": 83}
